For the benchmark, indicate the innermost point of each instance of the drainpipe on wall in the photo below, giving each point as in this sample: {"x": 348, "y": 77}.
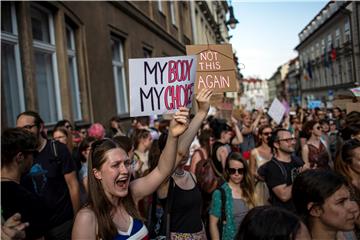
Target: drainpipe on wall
{"x": 193, "y": 20}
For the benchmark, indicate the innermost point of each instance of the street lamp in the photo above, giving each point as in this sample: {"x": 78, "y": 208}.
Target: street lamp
{"x": 232, "y": 21}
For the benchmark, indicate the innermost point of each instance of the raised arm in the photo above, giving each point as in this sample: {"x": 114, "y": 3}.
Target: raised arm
{"x": 257, "y": 120}
{"x": 144, "y": 186}
{"x": 185, "y": 140}
{"x": 238, "y": 139}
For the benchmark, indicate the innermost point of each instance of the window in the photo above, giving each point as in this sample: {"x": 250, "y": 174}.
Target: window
{"x": 318, "y": 50}
{"x": 11, "y": 76}
{"x": 347, "y": 31}
{"x": 172, "y": 12}
{"x": 47, "y": 82}
{"x": 160, "y": 5}
{"x": 147, "y": 53}
{"x": 329, "y": 42}
{"x": 73, "y": 73}
{"x": 119, "y": 75}
{"x": 312, "y": 53}
{"x": 337, "y": 38}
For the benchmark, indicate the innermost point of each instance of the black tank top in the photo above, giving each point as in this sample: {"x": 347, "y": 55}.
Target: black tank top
{"x": 186, "y": 210}
{"x": 216, "y": 161}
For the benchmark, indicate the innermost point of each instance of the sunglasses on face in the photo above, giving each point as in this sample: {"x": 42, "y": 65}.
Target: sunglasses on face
{"x": 232, "y": 171}
{"x": 267, "y": 133}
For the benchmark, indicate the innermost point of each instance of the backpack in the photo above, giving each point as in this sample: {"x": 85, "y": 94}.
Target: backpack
{"x": 205, "y": 174}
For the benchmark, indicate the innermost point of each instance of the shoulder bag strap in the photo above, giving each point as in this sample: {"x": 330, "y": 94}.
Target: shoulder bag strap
{"x": 282, "y": 169}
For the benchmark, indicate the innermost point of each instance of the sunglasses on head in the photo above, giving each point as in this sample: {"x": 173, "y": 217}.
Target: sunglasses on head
{"x": 234, "y": 170}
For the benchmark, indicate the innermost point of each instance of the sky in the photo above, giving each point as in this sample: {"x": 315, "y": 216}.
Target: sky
{"x": 267, "y": 33}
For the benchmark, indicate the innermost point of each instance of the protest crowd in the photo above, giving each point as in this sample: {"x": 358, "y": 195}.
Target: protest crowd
{"x": 191, "y": 176}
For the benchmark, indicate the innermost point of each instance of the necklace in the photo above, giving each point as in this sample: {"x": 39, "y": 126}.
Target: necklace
{"x": 179, "y": 174}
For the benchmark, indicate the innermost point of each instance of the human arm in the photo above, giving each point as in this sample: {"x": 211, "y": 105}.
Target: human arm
{"x": 252, "y": 164}
{"x": 283, "y": 192}
{"x": 194, "y": 160}
{"x": 85, "y": 182}
{"x": 215, "y": 214}
{"x": 13, "y": 228}
{"x": 257, "y": 120}
{"x": 85, "y": 226}
{"x": 214, "y": 230}
{"x": 73, "y": 186}
{"x": 146, "y": 185}
{"x": 238, "y": 139}
{"x": 305, "y": 156}
{"x": 276, "y": 179}
{"x": 185, "y": 140}
{"x": 222, "y": 153}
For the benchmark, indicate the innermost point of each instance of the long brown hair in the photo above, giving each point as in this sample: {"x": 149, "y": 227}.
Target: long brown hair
{"x": 344, "y": 158}
{"x": 98, "y": 202}
{"x": 246, "y": 184}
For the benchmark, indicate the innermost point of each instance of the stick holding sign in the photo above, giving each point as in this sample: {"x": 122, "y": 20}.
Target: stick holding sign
{"x": 161, "y": 85}
{"x": 276, "y": 111}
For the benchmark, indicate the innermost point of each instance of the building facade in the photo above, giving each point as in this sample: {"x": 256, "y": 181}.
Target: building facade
{"x": 294, "y": 83}
{"x": 329, "y": 52}
{"x": 70, "y": 59}
{"x": 255, "y": 89}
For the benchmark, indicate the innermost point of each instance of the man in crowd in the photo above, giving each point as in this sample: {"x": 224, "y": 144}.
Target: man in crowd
{"x": 280, "y": 172}
{"x": 52, "y": 177}
{"x": 17, "y": 149}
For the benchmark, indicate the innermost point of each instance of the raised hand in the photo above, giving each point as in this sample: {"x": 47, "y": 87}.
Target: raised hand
{"x": 203, "y": 99}
{"x": 180, "y": 122}
{"x": 234, "y": 121}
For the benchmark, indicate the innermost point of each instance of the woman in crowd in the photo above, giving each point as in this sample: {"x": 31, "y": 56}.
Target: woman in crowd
{"x": 84, "y": 150}
{"x": 63, "y": 135}
{"x": 259, "y": 156}
{"x": 223, "y": 134}
{"x": 183, "y": 196}
{"x": 322, "y": 200}
{"x": 239, "y": 198}
{"x": 111, "y": 212}
{"x": 314, "y": 152}
{"x": 268, "y": 222}
{"x": 206, "y": 141}
{"x": 142, "y": 143}
{"x": 347, "y": 164}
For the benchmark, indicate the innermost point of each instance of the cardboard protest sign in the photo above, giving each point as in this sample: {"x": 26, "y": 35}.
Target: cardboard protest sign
{"x": 276, "y": 111}
{"x": 215, "y": 67}
{"x": 350, "y": 106}
{"x": 161, "y": 85}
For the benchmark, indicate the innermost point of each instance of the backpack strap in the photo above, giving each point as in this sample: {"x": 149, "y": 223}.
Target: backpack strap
{"x": 282, "y": 168}
{"x": 223, "y": 213}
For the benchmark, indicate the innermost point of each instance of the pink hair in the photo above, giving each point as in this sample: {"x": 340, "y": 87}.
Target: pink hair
{"x": 97, "y": 131}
